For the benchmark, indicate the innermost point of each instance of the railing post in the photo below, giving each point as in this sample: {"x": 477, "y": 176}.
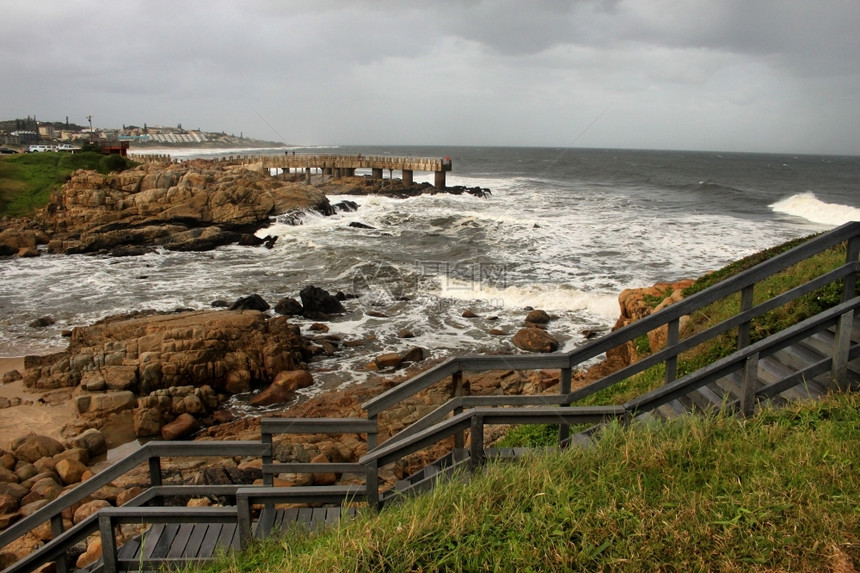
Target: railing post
{"x": 746, "y": 304}
{"x": 748, "y": 384}
{"x": 268, "y": 459}
{"x": 564, "y": 388}
{"x": 243, "y": 519}
{"x": 61, "y": 564}
{"x": 108, "y": 544}
{"x": 842, "y": 343}
{"x": 372, "y": 439}
{"x": 672, "y": 337}
{"x": 476, "y": 442}
{"x": 155, "y": 470}
{"x": 371, "y": 484}
{"x": 456, "y": 392}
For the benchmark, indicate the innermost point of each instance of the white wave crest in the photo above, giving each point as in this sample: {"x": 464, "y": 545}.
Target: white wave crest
{"x": 547, "y": 297}
{"x": 808, "y": 206}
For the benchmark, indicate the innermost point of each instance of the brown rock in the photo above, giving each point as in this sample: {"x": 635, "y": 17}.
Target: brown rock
{"x": 391, "y": 360}
{"x": 535, "y": 340}
{"x": 89, "y": 509}
{"x": 128, "y": 495}
{"x": 44, "y": 489}
{"x": 469, "y": 314}
{"x": 32, "y": 507}
{"x": 91, "y": 555}
{"x": 70, "y": 471}
{"x": 35, "y": 446}
{"x": 415, "y": 354}
{"x": 323, "y": 478}
{"x": 8, "y": 503}
{"x": 25, "y": 471}
{"x": 283, "y": 388}
{"x": 537, "y": 317}
{"x": 93, "y": 441}
{"x": 8, "y": 476}
{"x": 148, "y": 421}
{"x": 17, "y": 491}
{"x": 184, "y": 425}
{"x": 78, "y": 454}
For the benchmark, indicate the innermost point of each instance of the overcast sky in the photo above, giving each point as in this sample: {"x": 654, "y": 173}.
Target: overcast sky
{"x": 733, "y": 75}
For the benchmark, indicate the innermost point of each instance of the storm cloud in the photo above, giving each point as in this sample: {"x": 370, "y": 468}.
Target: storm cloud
{"x": 769, "y": 75}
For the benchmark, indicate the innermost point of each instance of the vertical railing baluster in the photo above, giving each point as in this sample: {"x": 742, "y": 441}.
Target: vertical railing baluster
{"x": 746, "y": 304}
{"x": 456, "y": 392}
{"x": 564, "y": 389}
{"x": 476, "y": 442}
{"x": 672, "y": 337}
{"x": 842, "y": 342}
{"x": 748, "y": 384}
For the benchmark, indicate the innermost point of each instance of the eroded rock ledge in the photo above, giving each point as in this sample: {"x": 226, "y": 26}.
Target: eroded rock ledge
{"x": 196, "y": 205}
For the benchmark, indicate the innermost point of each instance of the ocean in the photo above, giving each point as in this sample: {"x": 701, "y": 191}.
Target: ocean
{"x": 564, "y": 230}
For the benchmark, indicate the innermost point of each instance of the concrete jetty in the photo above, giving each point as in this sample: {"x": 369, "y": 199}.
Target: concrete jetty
{"x": 345, "y": 165}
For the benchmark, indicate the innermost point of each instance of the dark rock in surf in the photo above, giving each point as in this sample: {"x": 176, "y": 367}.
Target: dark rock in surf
{"x": 250, "y": 241}
{"x": 253, "y": 302}
{"x": 42, "y": 322}
{"x": 357, "y": 225}
{"x": 316, "y": 301}
{"x": 289, "y": 307}
{"x": 345, "y": 207}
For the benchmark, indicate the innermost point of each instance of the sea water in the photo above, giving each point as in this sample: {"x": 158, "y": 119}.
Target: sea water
{"x": 564, "y": 230}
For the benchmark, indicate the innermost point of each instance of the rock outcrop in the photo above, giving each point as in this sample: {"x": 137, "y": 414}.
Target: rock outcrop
{"x": 160, "y": 366}
{"x": 195, "y": 205}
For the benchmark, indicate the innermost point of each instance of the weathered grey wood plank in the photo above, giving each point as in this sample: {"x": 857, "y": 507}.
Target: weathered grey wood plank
{"x": 161, "y": 544}
{"x": 192, "y": 549}
{"x": 180, "y": 540}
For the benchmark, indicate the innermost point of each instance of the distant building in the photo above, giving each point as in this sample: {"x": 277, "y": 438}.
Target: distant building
{"x": 25, "y": 137}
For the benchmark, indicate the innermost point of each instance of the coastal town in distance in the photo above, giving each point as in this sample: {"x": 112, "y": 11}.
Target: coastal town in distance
{"x": 18, "y": 135}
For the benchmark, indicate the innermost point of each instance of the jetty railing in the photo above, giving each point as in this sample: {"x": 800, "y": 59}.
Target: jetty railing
{"x": 669, "y": 318}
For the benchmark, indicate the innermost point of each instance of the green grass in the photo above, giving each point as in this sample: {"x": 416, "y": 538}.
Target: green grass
{"x": 761, "y": 327}
{"x": 776, "y": 492}
{"x": 27, "y": 181}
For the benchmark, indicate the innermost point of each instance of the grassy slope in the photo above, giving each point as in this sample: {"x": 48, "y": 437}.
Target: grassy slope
{"x": 776, "y": 492}
{"x": 28, "y": 180}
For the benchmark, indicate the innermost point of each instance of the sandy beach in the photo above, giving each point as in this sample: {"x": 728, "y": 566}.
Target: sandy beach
{"x": 45, "y": 416}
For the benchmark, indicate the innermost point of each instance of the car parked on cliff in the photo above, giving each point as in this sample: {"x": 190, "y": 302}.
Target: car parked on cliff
{"x": 68, "y": 148}
{"x": 7, "y": 151}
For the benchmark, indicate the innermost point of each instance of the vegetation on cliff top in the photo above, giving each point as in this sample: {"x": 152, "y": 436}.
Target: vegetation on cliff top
{"x": 27, "y": 180}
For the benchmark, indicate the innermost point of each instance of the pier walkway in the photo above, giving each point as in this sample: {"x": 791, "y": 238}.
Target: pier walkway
{"x": 802, "y": 361}
{"x": 303, "y": 164}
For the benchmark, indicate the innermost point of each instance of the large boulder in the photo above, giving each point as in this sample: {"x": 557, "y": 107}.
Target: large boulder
{"x": 316, "y": 301}
{"x": 183, "y": 426}
{"x": 283, "y": 388}
{"x": 535, "y": 340}
{"x": 33, "y": 447}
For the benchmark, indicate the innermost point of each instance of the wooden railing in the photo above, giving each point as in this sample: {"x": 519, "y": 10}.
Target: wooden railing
{"x": 670, "y": 317}
{"x": 475, "y": 418}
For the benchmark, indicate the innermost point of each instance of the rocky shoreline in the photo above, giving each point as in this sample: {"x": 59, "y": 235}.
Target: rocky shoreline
{"x": 169, "y": 375}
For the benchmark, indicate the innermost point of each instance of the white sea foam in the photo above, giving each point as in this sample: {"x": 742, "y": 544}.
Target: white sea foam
{"x": 808, "y": 206}
{"x": 544, "y": 296}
